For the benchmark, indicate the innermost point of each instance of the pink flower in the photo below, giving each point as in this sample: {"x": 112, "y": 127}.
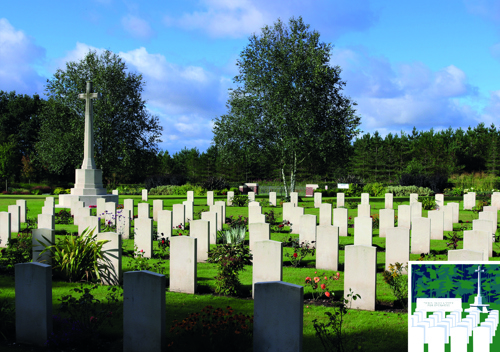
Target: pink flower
{"x": 316, "y": 279}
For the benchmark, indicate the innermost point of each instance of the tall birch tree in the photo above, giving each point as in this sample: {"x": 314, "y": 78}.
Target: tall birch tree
{"x": 290, "y": 107}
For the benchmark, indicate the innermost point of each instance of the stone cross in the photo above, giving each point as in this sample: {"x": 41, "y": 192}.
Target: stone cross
{"x": 88, "y": 152}
{"x": 478, "y": 271}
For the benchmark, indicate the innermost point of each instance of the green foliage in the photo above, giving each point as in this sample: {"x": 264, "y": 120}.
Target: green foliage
{"x": 354, "y": 190}
{"x": 286, "y": 100}
{"x": 76, "y": 258}
{"x": 170, "y": 190}
{"x": 125, "y": 134}
{"x": 217, "y": 330}
{"x": 19, "y": 250}
{"x": 240, "y": 200}
{"x": 235, "y": 235}
{"x": 139, "y": 262}
{"x": 375, "y": 221}
{"x": 300, "y": 251}
{"x": 240, "y": 221}
{"x": 9, "y": 158}
{"x": 59, "y": 190}
{"x": 374, "y": 189}
{"x": 331, "y": 335}
{"x": 321, "y": 285}
{"x": 398, "y": 282}
{"x": 7, "y": 317}
{"x": 87, "y": 315}
{"x": 428, "y": 203}
{"x": 63, "y": 217}
{"x": 215, "y": 183}
{"x": 403, "y": 191}
{"x": 230, "y": 259}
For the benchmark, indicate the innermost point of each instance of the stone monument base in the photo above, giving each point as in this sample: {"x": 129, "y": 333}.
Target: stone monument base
{"x": 66, "y": 199}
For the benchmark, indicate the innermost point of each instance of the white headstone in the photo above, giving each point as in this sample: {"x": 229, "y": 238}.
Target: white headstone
{"x": 210, "y": 198}
{"x": 278, "y": 316}
{"x": 157, "y": 206}
{"x": 164, "y": 225}
{"x": 386, "y": 221}
{"x": 327, "y": 247}
{"x": 23, "y": 209}
{"x": 397, "y": 246}
{"x": 404, "y": 216}
{"x": 183, "y": 264}
{"x": 230, "y": 196}
{"x": 15, "y": 218}
{"x": 325, "y": 214}
{"x": 389, "y": 200}
{"x": 363, "y": 231}
{"x": 200, "y": 229}
{"x": 365, "y": 198}
{"x": 178, "y": 215}
{"x": 258, "y": 232}
{"x": 212, "y": 218}
{"x": 144, "y": 311}
{"x": 143, "y": 236}
{"x": 145, "y": 195}
{"x": 33, "y": 311}
{"x": 437, "y": 223}
{"x": 360, "y": 275}
{"x": 340, "y": 200}
{"x": 272, "y": 198}
{"x": 308, "y": 229}
{"x": 340, "y": 220}
{"x": 420, "y": 235}
{"x": 5, "y": 228}
{"x": 364, "y": 210}
{"x": 267, "y": 263}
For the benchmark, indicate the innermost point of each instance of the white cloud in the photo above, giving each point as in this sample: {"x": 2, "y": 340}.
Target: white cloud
{"x": 18, "y": 54}
{"x": 137, "y": 27}
{"x": 81, "y": 50}
{"x": 395, "y": 97}
{"x": 224, "y": 18}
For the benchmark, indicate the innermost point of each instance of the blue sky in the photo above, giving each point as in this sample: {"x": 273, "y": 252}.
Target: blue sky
{"x": 428, "y": 64}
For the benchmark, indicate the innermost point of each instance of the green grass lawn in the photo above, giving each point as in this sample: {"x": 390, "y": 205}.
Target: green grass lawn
{"x": 368, "y": 331}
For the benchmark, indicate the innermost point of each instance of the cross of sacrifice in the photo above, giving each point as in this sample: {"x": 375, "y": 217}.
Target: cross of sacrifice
{"x": 479, "y": 271}
{"x": 88, "y": 152}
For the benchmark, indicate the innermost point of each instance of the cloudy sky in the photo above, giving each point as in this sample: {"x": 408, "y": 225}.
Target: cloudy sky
{"x": 406, "y": 63}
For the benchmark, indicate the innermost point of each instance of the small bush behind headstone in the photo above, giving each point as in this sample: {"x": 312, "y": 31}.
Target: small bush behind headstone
{"x": 163, "y": 180}
{"x": 215, "y": 183}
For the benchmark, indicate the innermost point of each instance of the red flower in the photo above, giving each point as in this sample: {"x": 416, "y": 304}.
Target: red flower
{"x": 308, "y": 279}
{"x": 162, "y": 241}
{"x": 295, "y": 255}
{"x": 323, "y": 286}
{"x": 327, "y": 294}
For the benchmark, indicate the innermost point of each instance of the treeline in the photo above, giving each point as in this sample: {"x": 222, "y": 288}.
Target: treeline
{"x": 371, "y": 157}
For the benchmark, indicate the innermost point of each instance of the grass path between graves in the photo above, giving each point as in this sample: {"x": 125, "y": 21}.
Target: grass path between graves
{"x": 367, "y": 330}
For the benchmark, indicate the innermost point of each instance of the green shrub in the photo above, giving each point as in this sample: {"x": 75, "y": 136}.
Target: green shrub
{"x": 240, "y": 200}
{"x": 404, "y": 191}
{"x": 235, "y": 190}
{"x": 354, "y": 190}
{"x": 215, "y": 183}
{"x": 428, "y": 203}
{"x": 218, "y": 330}
{"x": 19, "y": 250}
{"x": 230, "y": 259}
{"x": 59, "y": 190}
{"x": 235, "y": 235}
{"x": 77, "y": 258}
{"x": 87, "y": 316}
{"x": 398, "y": 282}
{"x": 374, "y": 189}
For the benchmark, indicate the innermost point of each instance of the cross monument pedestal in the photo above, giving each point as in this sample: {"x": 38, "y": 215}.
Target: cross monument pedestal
{"x": 478, "y": 305}
{"x": 88, "y": 180}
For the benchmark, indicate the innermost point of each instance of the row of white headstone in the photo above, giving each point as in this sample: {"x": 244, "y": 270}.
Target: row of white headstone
{"x": 277, "y": 323}
{"x": 439, "y": 329}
